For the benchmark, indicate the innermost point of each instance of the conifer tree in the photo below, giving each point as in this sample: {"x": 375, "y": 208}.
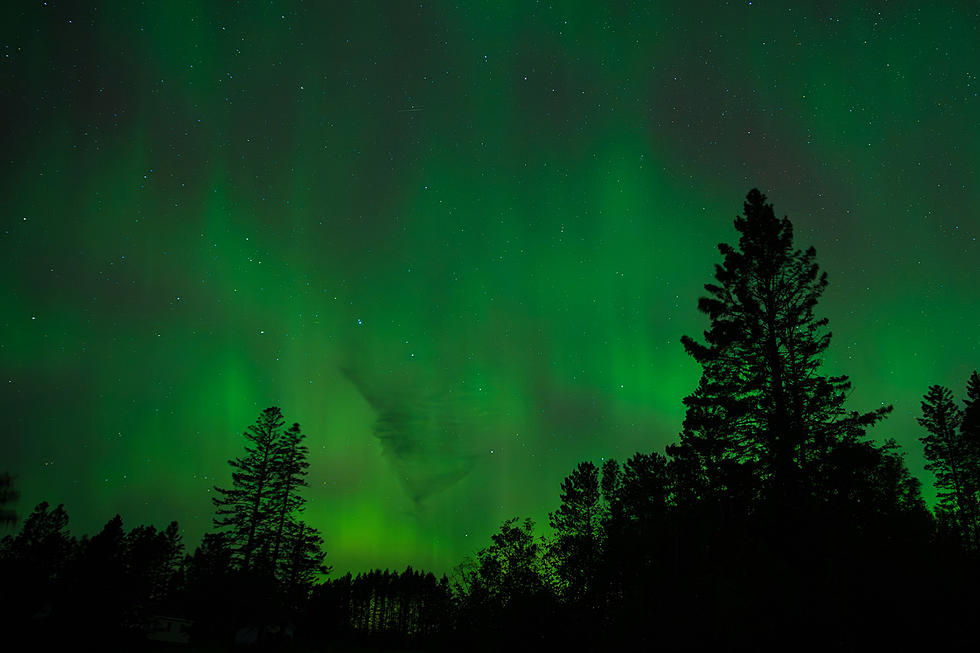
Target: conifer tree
{"x": 303, "y": 562}
{"x": 244, "y": 508}
{"x": 970, "y": 435}
{"x": 763, "y": 413}
{"x": 952, "y": 458}
{"x": 208, "y": 575}
{"x": 289, "y": 478}
{"x": 578, "y": 529}
{"x": 34, "y": 564}
{"x": 44, "y": 545}
{"x": 640, "y": 500}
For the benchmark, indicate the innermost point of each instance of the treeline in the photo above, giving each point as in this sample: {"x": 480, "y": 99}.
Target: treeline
{"x": 383, "y": 607}
{"x": 673, "y": 552}
{"x": 57, "y": 587}
{"x": 248, "y": 581}
{"x": 773, "y": 522}
{"x": 109, "y": 590}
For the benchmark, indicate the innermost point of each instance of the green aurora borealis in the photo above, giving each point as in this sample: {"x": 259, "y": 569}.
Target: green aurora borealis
{"x": 458, "y": 243}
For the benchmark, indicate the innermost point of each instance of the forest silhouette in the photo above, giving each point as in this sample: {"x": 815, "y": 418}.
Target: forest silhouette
{"x": 775, "y": 521}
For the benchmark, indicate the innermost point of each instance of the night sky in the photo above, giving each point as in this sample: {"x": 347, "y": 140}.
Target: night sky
{"x": 458, "y": 243}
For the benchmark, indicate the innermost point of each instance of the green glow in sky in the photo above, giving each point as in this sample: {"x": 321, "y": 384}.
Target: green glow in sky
{"x": 458, "y": 243}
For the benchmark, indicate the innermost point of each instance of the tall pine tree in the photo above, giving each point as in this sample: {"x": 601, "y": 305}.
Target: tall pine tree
{"x": 259, "y": 514}
{"x": 244, "y": 508}
{"x": 763, "y": 414}
{"x": 578, "y": 530}
{"x": 289, "y": 478}
{"x": 951, "y": 449}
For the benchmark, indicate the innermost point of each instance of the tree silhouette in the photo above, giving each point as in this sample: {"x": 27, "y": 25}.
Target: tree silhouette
{"x": 382, "y": 607}
{"x": 762, "y": 410}
{"x": 210, "y": 564}
{"x": 510, "y": 568}
{"x": 276, "y": 558}
{"x": 578, "y": 530}
{"x": 152, "y": 561}
{"x": 43, "y": 541}
{"x": 99, "y": 583}
{"x": 209, "y": 585}
{"x": 288, "y": 479}
{"x": 504, "y": 595}
{"x": 641, "y": 497}
{"x": 952, "y": 457}
{"x": 773, "y": 490}
{"x": 970, "y": 437}
{"x": 244, "y": 508}
{"x": 302, "y": 563}
{"x": 36, "y": 561}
